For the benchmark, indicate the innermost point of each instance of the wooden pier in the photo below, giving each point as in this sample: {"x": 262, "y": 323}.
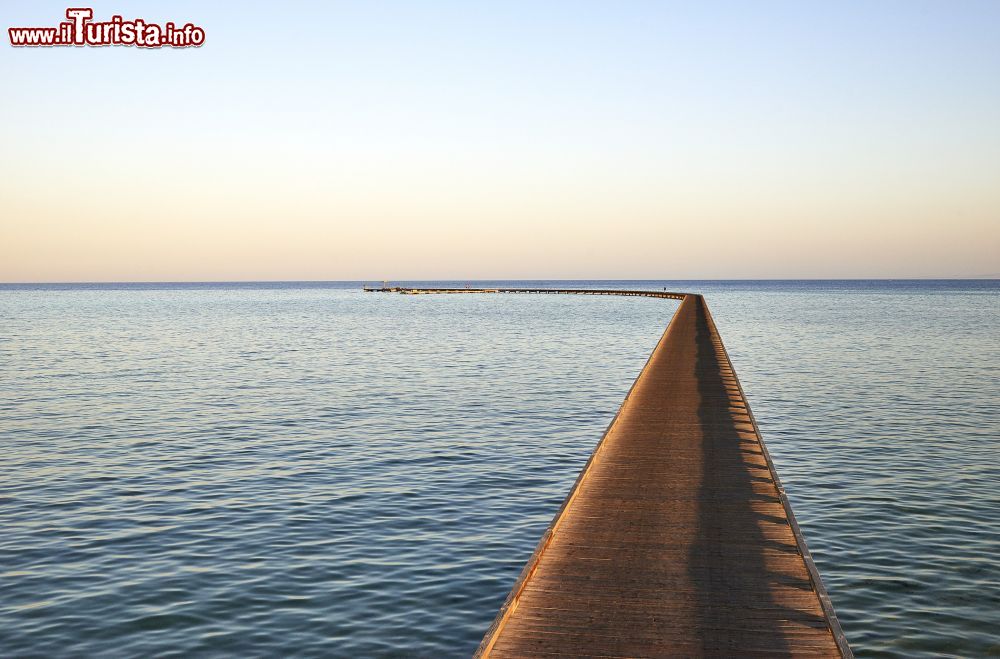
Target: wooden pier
{"x": 677, "y": 538}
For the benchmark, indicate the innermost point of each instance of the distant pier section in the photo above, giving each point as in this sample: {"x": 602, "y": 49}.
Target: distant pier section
{"x": 554, "y": 291}
{"x": 677, "y": 538}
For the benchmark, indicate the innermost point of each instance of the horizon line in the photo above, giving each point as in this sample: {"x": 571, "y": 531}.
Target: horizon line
{"x": 991, "y": 277}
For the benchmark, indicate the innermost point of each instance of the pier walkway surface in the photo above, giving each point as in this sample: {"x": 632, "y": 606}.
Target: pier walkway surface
{"x": 677, "y": 538}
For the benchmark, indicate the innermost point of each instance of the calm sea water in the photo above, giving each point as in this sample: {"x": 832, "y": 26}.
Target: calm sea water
{"x": 305, "y": 469}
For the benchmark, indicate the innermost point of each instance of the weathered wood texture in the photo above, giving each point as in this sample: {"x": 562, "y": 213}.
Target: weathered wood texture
{"x": 677, "y": 538}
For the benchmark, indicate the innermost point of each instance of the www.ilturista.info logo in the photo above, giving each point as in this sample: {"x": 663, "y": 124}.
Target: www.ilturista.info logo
{"x": 81, "y": 30}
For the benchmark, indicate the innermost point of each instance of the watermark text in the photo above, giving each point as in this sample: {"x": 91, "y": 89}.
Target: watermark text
{"x": 81, "y": 30}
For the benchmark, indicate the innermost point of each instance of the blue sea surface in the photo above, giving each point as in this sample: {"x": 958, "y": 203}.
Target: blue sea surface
{"x": 305, "y": 469}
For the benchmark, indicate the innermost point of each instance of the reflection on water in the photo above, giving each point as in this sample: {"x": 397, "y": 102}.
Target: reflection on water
{"x": 306, "y": 468}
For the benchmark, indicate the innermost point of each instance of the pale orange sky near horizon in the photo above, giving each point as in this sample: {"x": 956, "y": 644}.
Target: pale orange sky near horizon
{"x": 475, "y": 143}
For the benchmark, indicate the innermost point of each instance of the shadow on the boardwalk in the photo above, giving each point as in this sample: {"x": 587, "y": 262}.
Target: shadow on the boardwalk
{"x": 726, "y": 563}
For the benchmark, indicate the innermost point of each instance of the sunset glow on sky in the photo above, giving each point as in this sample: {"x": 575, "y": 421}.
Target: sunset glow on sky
{"x": 439, "y": 140}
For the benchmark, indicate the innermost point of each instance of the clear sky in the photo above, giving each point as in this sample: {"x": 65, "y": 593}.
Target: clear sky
{"x": 412, "y": 140}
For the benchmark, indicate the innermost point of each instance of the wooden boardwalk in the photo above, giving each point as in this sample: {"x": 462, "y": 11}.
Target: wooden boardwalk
{"x": 677, "y": 538}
